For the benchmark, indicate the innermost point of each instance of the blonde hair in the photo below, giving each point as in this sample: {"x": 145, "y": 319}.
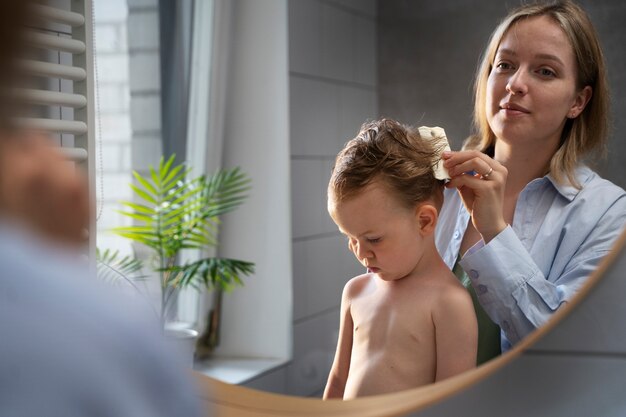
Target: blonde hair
{"x": 394, "y": 154}
{"x": 582, "y": 136}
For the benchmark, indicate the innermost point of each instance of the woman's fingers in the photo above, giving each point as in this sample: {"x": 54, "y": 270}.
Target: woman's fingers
{"x": 481, "y": 182}
{"x": 476, "y": 167}
{"x": 471, "y": 163}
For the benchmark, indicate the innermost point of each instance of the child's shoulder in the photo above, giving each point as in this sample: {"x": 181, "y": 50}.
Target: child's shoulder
{"x": 447, "y": 286}
{"x": 451, "y": 293}
{"x": 357, "y": 285}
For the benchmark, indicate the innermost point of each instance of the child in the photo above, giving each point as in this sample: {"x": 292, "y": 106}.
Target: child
{"x": 407, "y": 321}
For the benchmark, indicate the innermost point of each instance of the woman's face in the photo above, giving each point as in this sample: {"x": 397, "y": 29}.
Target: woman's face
{"x": 531, "y": 90}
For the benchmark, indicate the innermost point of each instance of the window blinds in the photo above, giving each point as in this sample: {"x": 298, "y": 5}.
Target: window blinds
{"x": 62, "y": 36}
{"x": 58, "y": 94}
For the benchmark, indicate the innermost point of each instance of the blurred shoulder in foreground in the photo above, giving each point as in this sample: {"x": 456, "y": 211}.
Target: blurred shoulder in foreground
{"x": 69, "y": 347}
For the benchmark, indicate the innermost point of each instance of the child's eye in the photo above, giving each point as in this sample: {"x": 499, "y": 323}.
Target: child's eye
{"x": 374, "y": 240}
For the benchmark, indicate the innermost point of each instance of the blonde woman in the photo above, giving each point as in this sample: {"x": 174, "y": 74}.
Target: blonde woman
{"x": 524, "y": 217}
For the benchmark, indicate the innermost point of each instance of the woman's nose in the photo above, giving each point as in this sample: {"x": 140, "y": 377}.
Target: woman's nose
{"x": 517, "y": 83}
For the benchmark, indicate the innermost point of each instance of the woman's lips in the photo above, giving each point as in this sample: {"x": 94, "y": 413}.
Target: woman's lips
{"x": 372, "y": 269}
{"x": 512, "y": 109}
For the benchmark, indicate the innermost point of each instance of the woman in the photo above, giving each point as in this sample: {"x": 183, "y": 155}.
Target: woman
{"x": 541, "y": 221}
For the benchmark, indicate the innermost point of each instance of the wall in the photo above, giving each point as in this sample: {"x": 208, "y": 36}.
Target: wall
{"x": 428, "y": 52}
{"x": 332, "y": 66}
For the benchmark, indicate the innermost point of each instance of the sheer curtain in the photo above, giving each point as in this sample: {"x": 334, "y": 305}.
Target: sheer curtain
{"x": 176, "y": 30}
{"x": 204, "y": 122}
{"x": 238, "y": 115}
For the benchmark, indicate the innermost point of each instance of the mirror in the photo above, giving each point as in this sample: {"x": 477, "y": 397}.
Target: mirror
{"x": 529, "y": 379}
{"x": 347, "y": 61}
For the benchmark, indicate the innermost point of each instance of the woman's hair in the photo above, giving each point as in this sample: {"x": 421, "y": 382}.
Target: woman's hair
{"x": 394, "y": 154}
{"x": 582, "y": 136}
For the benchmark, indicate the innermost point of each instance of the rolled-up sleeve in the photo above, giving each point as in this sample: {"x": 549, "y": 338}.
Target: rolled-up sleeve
{"x": 515, "y": 292}
{"x": 497, "y": 271}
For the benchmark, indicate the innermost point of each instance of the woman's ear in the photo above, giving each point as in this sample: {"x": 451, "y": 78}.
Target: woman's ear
{"x": 582, "y": 98}
{"x": 426, "y": 216}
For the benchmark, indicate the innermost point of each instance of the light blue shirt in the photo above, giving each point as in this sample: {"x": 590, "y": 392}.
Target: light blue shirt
{"x": 71, "y": 348}
{"x": 558, "y": 237}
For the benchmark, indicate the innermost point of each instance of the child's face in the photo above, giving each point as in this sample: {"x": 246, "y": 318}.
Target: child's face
{"x": 384, "y": 235}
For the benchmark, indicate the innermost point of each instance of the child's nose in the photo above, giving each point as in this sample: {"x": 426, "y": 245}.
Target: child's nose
{"x": 362, "y": 251}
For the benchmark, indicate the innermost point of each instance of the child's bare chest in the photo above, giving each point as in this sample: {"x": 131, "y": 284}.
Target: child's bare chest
{"x": 392, "y": 319}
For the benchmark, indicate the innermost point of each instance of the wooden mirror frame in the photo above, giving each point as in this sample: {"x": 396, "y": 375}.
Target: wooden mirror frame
{"x": 573, "y": 365}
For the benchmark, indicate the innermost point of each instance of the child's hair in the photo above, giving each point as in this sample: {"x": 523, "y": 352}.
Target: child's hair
{"x": 393, "y": 153}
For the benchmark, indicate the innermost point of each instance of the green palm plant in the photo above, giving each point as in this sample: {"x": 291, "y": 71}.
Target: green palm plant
{"x": 113, "y": 268}
{"x": 121, "y": 271}
{"x": 173, "y": 212}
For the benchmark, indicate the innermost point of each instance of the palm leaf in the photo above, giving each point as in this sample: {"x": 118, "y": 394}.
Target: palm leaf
{"x": 221, "y": 273}
{"x": 136, "y": 229}
{"x": 139, "y": 207}
{"x": 111, "y": 266}
{"x": 170, "y": 179}
{"x": 164, "y": 167}
{"x": 146, "y": 183}
{"x": 176, "y": 213}
{"x": 141, "y": 193}
{"x": 155, "y": 178}
{"x": 137, "y": 216}
{"x": 224, "y": 191}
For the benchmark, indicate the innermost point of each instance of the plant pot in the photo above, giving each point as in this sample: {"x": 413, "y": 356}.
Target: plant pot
{"x": 182, "y": 341}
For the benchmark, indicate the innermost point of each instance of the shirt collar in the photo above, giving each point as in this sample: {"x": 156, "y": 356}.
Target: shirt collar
{"x": 581, "y": 173}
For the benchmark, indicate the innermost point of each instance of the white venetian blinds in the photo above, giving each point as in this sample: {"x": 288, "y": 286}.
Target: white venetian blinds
{"x": 55, "y": 92}
{"x": 60, "y": 94}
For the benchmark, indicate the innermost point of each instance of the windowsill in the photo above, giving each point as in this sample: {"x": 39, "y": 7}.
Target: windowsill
{"x": 237, "y": 370}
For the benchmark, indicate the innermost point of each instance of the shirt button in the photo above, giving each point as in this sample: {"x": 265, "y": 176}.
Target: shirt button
{"x": 457, "y": 234}
{"x": 482, "y": 289}
{"x": 473, "y": 274}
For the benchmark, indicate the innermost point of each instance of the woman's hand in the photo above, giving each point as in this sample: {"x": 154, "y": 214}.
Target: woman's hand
{"x": 480, "y": 181}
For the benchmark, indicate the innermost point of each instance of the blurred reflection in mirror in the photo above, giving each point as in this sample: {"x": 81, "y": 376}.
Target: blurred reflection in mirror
{"x": 69, "y": 345}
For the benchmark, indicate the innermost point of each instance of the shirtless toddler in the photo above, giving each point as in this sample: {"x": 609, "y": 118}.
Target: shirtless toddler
{"x": 408, "y": 321}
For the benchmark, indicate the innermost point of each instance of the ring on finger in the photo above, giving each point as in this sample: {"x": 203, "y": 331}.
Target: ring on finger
{"x": 485, "y": 176}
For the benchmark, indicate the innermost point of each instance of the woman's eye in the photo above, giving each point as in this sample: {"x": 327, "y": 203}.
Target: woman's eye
{"x": 374, "y": 240}
{"x": 504, "y": 66}
{"x": 545, "y": 72}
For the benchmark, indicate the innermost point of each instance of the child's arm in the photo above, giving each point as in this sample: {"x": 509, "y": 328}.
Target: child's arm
{"x": 456, "y": 332}
{"x": 339, "y": 371}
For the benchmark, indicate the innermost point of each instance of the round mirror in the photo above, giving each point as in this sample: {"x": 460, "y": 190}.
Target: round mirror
{"x": 572, "y": 366}
{"x": 325, "y": 67}
{"x": 414, "y": 61}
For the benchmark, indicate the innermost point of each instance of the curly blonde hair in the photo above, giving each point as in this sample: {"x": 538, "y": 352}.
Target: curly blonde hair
{"x": 393, "y": 153}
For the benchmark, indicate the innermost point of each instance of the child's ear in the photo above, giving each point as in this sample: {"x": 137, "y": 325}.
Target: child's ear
{"x": 426, "y": 216}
